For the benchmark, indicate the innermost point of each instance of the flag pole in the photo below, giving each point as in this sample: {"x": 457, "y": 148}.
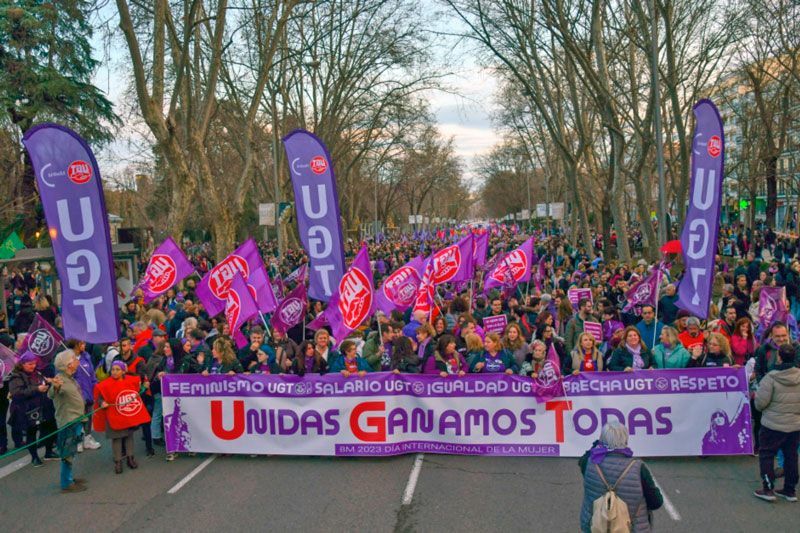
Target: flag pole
{"x": 658, "y": 288}
{"x": 264, "y": 320}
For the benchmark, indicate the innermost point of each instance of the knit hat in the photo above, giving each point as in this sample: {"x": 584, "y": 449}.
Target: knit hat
{"x": 683, "y": 313}
{"x": 27, "y": 357}
{"x": 120, "y": 364}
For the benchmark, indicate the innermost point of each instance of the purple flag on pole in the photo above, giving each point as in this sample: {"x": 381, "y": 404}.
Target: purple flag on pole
{"x": 72, "y": 197}
{"x": 318, "y": 323}
{"x": 260, "y": 286}
{"x": 353, "y": 299}
{"x": 454, "y": 262}
{"x": 548, "y": 383}
{"x": 481, "y": 246}
{"x": 7, "y": 361}
{"x": 168, "y": 266}
{"x": 43, "y": 341}
{"x": 213, "y": 288}
{"x": 701, "y": 228}
{"x": 240, "y": 306}
{"x": 291, "y": 310}
{"x": 772, "y": 307}
{"x": 645, "y": 292}
{"x": 399, "y": 289}
{"x": 317, "y": 210}
{"x": 514, "y": 268}
{"x": 299, "y": 275}
{"x": 423, "y": 300}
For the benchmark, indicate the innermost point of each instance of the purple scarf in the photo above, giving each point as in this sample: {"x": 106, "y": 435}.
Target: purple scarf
{"x": 599, "y": 452}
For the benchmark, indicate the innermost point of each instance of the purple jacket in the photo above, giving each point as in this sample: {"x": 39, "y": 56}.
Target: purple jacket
{"x": 431, "y": 364}
{"x": 86, "y": 377}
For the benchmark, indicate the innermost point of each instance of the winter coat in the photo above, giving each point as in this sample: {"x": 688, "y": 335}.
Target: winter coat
{"x": 621, "y": 359}
{"x": 338, "y": 364}
{"x": 778, "y": 398}
{"x": 26, "y": 398}
{"x": 678, "y": 357}
{"x": 502, "y": 361}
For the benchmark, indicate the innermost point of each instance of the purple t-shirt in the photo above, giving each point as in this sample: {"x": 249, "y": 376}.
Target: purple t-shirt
{"x": 493, "y": 364}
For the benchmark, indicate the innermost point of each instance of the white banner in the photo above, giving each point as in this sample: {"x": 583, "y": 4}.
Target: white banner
{"x": 668, "y": 412}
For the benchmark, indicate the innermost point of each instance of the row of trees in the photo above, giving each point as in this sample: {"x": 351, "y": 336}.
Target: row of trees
{"x": 214, "y": 84}
{"x": 577, "y": 100}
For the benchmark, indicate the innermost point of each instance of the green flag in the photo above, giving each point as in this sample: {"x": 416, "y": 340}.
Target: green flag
{"x": 10, "y": 246}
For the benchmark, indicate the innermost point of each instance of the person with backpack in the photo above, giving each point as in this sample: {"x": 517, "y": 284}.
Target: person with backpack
{"x": 619, "y": 493}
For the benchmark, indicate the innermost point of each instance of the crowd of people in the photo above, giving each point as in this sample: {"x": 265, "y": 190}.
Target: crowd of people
{"x": 174, "y": 334}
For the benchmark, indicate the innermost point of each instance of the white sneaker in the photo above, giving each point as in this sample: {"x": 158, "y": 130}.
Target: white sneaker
{"x": 80, "y": 447}
{"x": 90, "y": 443}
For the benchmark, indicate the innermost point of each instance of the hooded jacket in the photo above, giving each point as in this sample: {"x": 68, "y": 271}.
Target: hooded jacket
{"x": 778, "y": 398}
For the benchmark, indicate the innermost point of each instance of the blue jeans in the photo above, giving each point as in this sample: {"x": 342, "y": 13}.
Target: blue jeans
{"x": 67, "y": 445}
{"x": 157, "y": 422}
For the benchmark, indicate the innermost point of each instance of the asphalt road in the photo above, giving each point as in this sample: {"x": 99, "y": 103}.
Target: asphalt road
{"x": 451, "y": 493}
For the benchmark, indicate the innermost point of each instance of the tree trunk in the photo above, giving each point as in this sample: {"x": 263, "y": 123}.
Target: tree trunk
{"x": 224, "y": 233}
{"x": 771, "y": 167}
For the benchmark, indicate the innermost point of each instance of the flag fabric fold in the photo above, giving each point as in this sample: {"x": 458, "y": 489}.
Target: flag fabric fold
{"x": 167, "y": 267}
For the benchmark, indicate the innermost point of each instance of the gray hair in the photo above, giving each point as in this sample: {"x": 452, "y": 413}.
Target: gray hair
{"x": 693, "y": 321}
{"x": 614, "y": 435}
{"x": 727, "y": 287}
{"x": 63, "y": 359}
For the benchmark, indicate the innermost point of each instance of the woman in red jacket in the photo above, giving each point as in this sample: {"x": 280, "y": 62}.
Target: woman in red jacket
{"x": 743, "y": 341}
{"x": 122, "y": 412}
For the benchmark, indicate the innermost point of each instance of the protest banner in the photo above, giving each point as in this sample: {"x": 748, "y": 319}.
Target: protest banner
{"x": 595, "y": 328}
{"x": 575, "y": 295}
{"x": 686, "y": 412}
{"x": 495, "y": 324}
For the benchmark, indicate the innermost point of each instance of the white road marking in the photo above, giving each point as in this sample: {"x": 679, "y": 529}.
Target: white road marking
{"x": 408, "y": 494}
{"x": 671, "y": 511}
{"x": 13, "y": 467}
{"x": 191, "y": 475}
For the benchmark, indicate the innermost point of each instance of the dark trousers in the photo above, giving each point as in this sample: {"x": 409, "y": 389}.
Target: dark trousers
{"x": 3, "y": 415}
{"x": 44, "y": 428}
{"x": 147, "y": 435}
{"x": 770, "y": 441}
{"x": 756, "y": 423}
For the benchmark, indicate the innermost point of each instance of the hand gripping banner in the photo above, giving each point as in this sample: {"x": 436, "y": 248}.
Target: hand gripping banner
{"x": 701, "y": 227}
{"x": 74, "y": 205}
{"x": 317, "y": 210}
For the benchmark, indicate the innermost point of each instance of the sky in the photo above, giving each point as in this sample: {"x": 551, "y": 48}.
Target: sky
{"x": 463, "y": 112}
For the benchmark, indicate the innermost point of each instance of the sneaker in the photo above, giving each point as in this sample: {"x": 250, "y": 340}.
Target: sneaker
{"x": 75, "y": 487}
{"x": 789, "y": 497}
{"x": 36, "y": 462}
{"x": 51, "y": 456}
{"x": 170, "y": 457}
{"x": 79, "y": 480}
{"x": 150, "y": 453}
{"x": 766, "y": 495}
{"x": 90, "y": 443}
{"x": 80, "y": 447}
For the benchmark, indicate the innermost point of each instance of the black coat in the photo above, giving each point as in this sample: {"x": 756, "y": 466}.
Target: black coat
{"x": 26, "y": 397}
